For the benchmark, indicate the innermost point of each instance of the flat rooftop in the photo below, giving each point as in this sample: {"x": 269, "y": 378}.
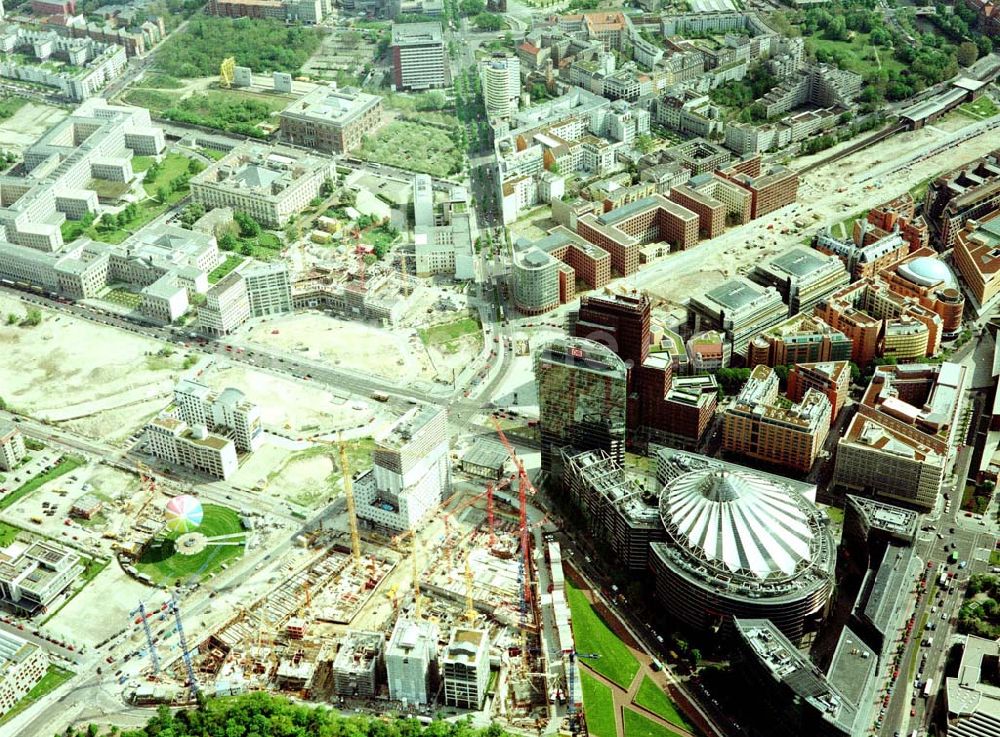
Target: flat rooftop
{"x": 405, "y": 34}
{"x": 332, "y": 105}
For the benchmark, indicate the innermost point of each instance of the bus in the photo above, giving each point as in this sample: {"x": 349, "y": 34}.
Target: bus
{"x": 928, "y": 686}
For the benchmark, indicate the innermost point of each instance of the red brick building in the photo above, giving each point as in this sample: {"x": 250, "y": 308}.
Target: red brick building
{"x": 711, "y": 213}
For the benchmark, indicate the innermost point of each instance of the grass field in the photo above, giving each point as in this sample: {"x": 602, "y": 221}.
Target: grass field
{"x": 598, "y": 706}
{"x": 592, "y": 635}
{"x": 653, "y": 698}
{"x": 449, "y": 331}
{"x": 416, "y": 147}
{"x": 161, "y": 563}
{"x": 10, "y": 105}
{"x": 8, "y": 534}
{"x": 982, "y": 108}
{"x": 66, "y": 465}
{"x": 53, "y": 678}
{"x": 636, "y": 725}
{"x": 858, "y": 55}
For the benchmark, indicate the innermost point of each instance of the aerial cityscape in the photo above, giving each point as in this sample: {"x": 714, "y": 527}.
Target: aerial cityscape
{"x": 487, "y": 368}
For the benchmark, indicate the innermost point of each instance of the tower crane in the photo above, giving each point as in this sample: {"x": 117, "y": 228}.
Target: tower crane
{"x": 470, "y": 604}
{"x": 175, "y": 607}
{"x": 154, "y": 660}
{"x": 413, "y": 560}
{"x": 352, "y": 517}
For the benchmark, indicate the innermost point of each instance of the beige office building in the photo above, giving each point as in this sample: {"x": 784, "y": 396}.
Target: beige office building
{"x": 173, "y": 441}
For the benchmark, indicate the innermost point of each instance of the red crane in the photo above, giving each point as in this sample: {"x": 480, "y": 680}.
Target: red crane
{"x": 524, "y": 487}
{"x": 361, "y": 250}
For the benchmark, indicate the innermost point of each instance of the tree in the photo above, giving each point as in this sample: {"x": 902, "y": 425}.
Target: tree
{"x": 644, "y": 143}
{"x": 489, "y": 22}
{"x": 471, "y": 7}
{"x": 33, "y": 318}
{"x": 984, "y": 44}
{"x": 351, "y": 39}
{"x": 162, "y": 193}
{"x": 967, "y": 53}
{"x": 195, "y": 166}
{"x": 249, "y": 228}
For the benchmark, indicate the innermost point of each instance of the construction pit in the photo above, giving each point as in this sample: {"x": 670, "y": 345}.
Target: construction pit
{"x": 322, "y": 631}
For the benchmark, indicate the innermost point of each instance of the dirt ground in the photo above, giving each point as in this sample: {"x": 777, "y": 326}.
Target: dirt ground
{"x": 27, "y": 124}
{"x": 104, "y": 380}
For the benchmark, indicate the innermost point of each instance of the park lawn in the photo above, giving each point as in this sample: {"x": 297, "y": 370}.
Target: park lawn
{"x": 141, "y": 163}
{"x": 858, "y": 54}
{"x": 984, "y": 107}
{"x": 653, "y": 698}
{"x": 8, "y": 533}
{"x": 416, "y": 147}
{"x": 636, "y": 725}
{"x": 449, "y": 331}
{"x": 265, "y": 247}
{"x": 172, "y": 166}
{"x": 592, "y": 635}
{"x": 598, "y": 706}
{"x": 66, "y": 465}
{"x": 153, "y": 100}
{"x": 53, "y": 678}
{"x": 231, "y": 262}
{"x": 162, "y": 564}
{"x": 10, "y": 105}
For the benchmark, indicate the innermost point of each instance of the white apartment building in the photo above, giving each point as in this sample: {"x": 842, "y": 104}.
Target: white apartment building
{"x": 411, "y": 661}
{"x": 227, "y": 413}
{"x": 22, "y": 666}
{"x": 501, "y": 82}
{"x": 33, "y": 576}
{"x": 465, "y": 666}
{"x": 172, "y": 441}
{"x": 12, "y": 448}
{"x": 268, "y": 183}
{"x": 411, "y": 471}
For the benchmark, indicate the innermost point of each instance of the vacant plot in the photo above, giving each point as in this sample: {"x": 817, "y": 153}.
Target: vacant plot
{"x": 10, "y": 105}
{"x": 161, "y": 561}
{"x": 636, "y": 725}
{"x": 232, "y": 111}
{"x": 599, "y": 706}
{"x": 592, "y": 635}
{"x": 415, "y": 147}
{"x": 652, "y": 697}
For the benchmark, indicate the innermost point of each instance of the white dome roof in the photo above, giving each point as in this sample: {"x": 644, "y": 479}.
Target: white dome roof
{"x": 928, "y": 271}
{"x": 739, "y": 523}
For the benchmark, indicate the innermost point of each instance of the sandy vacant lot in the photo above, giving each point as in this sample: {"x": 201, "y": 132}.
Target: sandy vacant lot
{"x": 27, "y": 124}
{"x": 68, "y": 369}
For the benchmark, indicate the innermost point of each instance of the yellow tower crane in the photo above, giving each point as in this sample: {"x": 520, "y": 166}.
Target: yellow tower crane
{"x": 226, "y": 72}
{"x": 470, "y": 605}
{"x": 396, "y": 541}
{"x": 352, "y": 518}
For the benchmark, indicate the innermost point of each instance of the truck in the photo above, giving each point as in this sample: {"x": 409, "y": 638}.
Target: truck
{"x": 928, "y": 687}
{"x": 380, "y": 396}
{"x": 943, "y": 580}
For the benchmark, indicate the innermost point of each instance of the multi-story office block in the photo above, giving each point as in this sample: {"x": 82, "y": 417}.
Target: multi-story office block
{"x": 269, "y": 287}
{"x": 899, "y": 444}
{"x": 359, "y": 666}
{"x": 740, "y": 308}
{"x": 35, "y": 576}
{"x": 761, "y": 426}
{"x": 22, "y": 665}
{"x": 331, "y": 120}
{"x": 419, "y": 57}
{"x": 465, "y": 666}
{"x": 269, "y": 184}
{"x": 227, "y": 306}
{"x": 226, "y": 413}
{"x": 411, "y": 471}
{"x": 769, "y": 191}
{"x": 802, "y": 277}
{"x": 501, "y": 82}
{"x": 171, "y": 440}
{"x": 865, "y": 257}
{"x": 581, "y": 399}
{"x": 411, "y": 661}
{"x": 545, "y": 271}
{"x": 977, "y": 257}
{"x": 12, "y": 448}
{"x": 926, "y": 278}
{"x": 965, "y": 193}
{"x": 800, "y": 339}
{"x": 831, "y": 378}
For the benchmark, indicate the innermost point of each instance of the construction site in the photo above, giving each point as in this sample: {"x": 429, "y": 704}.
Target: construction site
{"x": 454, "y": 613}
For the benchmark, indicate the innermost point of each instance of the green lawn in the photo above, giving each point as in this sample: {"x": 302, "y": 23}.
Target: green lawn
{"x": 141, "y": 163}
{"x": 161, "y": 563}
{"x": 8, "y": 533}
{"x": 636, "y": 725}
{"x": 153, "y": 100}
{"x": 449, "y": 331}
{"x": 10, "y": 105}
{"x": 592, "y": 635}
{"x": 66, "y": 465}
{"x": 984, "y": 107}
{"x": 220, "y": 271}
{"x": 995, "y": 557}
{"x": 598, "y": 707}
{"x": 172, "y": 166}
{"x": 124, "y": 298}
{"x": 53, "y": 678}
{"x": 858, "y": 55}
{"x": 653, "y": 698}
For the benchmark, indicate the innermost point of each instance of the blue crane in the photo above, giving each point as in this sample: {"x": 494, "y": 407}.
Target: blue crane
{"x": 571, "y": 696}
{"x": 185, "y": 653}
{"x": 153, "y": 659}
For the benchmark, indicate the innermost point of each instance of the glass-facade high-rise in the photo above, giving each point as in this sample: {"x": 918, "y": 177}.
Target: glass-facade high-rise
{"x": 581, "y": 399}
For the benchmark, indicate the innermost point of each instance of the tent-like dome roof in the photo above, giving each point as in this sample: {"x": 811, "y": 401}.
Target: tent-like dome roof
{"x": 740, "y": 523}
{"x": 928, "y": 271}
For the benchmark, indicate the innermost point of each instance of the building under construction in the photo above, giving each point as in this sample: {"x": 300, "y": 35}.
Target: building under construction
{"x": 384, "y": 296}
{"x": 359, "y": 667}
